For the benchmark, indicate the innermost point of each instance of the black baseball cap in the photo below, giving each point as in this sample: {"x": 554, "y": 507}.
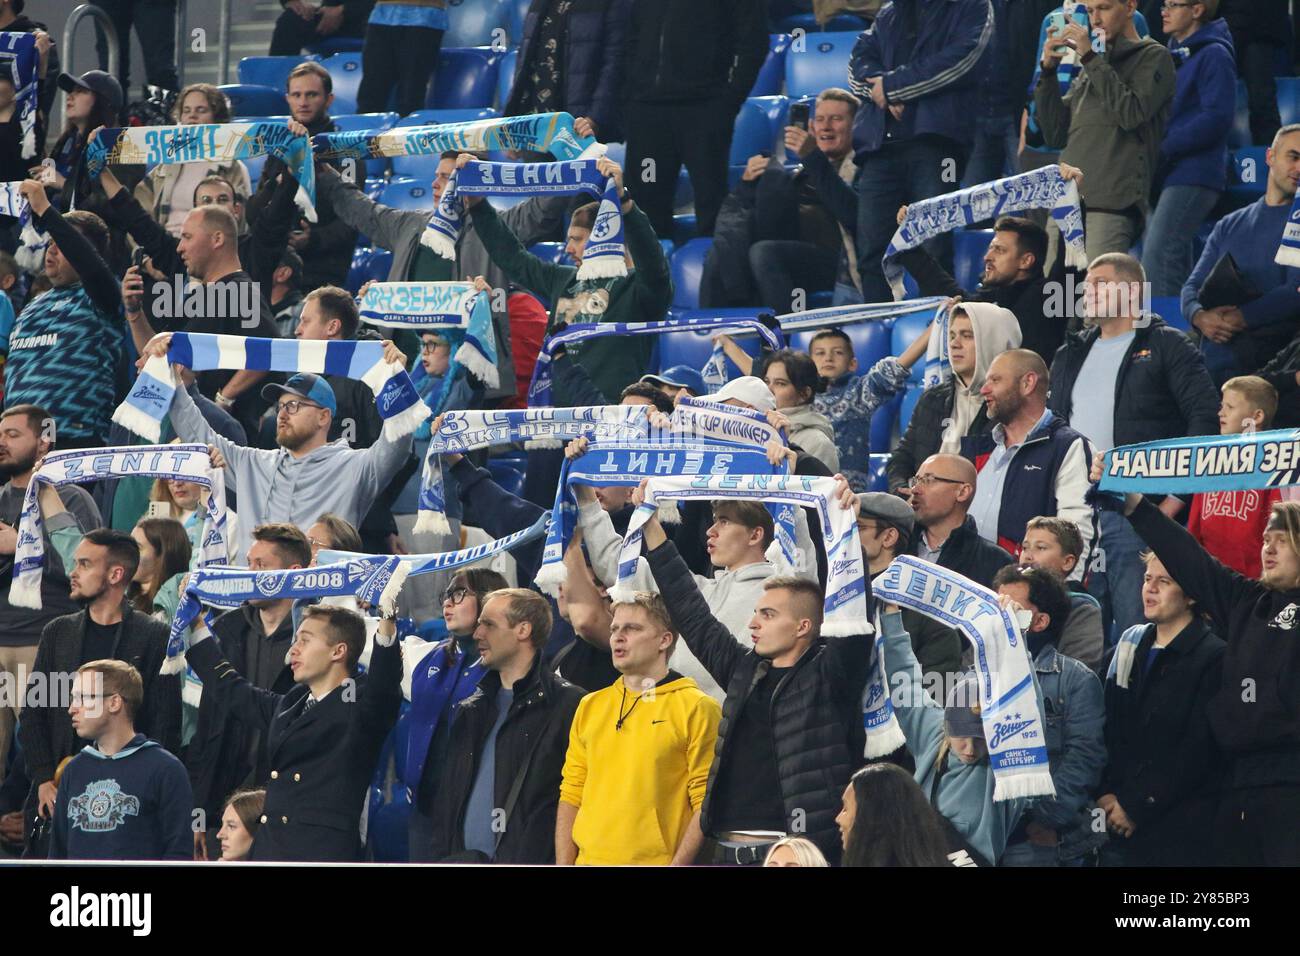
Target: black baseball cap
{"x": 104, "y": 85}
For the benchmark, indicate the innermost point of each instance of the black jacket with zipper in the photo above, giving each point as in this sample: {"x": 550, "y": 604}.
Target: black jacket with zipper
{"x": 816, "y": 709}
{"x": 537, "y": 723}
{"x": 969, "y": 554}
{"x": 924, "y": 432}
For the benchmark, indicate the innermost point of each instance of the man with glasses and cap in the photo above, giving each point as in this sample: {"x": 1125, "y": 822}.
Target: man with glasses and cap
{"x": 943, "y": 490}
{"x": 678, "y": 381}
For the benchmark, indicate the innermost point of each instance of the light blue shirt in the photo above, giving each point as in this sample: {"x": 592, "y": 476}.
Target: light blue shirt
{"x": 409, "y": 15}
{"x": 479, "y": 811}
{"x": 1092, "y": 403}
{"x": 993, "y": 478}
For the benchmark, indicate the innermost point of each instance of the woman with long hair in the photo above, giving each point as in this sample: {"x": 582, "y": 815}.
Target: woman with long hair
{"x": 164, "y": 559}
{"x": 794, "y": 851}
{"x": 887, "y": 821}
{"x": 239, "y": 822}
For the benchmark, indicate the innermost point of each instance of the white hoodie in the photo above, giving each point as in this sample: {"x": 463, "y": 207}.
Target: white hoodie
{"x": 996, "y": 330}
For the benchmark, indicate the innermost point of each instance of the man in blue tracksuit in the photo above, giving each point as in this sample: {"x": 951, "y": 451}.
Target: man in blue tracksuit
{"x": 915, "y": 73}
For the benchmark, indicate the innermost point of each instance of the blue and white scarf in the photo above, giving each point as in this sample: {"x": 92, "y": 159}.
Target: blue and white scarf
{"x": 626, "y": 465}
{"x": 180, "y": 462}
{"x": 1288, "y": 252}
{"x": 537, "y": 133}
{"x": 698, "y": 419}
{"x": 371, "y": 580}
{"x": 1121, "y": 662}
{"x": 150, "y": 397}
{"x": 447, "y": 560}
{"x": 1039, "y": 189}
{"x": 1202, "y": 463}
{"x": 30, "y": 254}
{"x": 539, "y": 389}
{"x": 846, "y": 590}
{"x": 19, "y": 51}
{"x": 884, "y": 733}
{"x": 603, "y": 257}
{"x": 221, "y": 143}
{"x": 424, "y": 306}
{"x": 837, "y": 315}
{"x": 462, "y": 431}
{"x": 1013, "y": 725}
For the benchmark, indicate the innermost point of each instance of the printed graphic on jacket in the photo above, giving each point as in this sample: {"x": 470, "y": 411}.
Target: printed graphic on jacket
{"x": 101, "y": 807}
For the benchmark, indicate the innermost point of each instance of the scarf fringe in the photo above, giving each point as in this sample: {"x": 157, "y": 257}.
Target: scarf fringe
{"x": 29, "y": 144}
{"x": 534, "y": 444}
{"x": 25, "y": 592}
{"x": 478, "y": 365}
{"x": 667, "y": 512}
{"x": 1023, "y": 785}
{"x": 388, "y": 597}
{"x": 602, "y": 267}
{"x": 622, "y": 594}
{"x": 172, "y": 666}
{"x": 137, "y": 422}
{"x": 846, "y": 627}
{"x": 403, "y": 423}
{"x": 431, "y": 522}
{"x": 884, "y": 740}
{"x": 550, "y": 577}
{"x": 439, "y": 243}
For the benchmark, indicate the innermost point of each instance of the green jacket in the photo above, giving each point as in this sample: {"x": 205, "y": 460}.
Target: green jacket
{"x": 1111, "y": 122}
{"x": 643, "y": 295}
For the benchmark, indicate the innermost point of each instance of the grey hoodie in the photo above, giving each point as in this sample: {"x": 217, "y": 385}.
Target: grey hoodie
{"x": 996, "y": 330}
{"x": 813, "y": 432}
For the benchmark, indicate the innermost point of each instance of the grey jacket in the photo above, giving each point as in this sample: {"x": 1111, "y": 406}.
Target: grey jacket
{"x": 399, "y": 231}
{"x": 274, "y": 486}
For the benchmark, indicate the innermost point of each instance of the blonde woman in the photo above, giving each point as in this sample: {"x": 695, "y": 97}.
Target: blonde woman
{"x": 794, "y": 851}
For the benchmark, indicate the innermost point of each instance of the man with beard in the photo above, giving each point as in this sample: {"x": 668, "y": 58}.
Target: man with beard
{"x": 1032, "y": 463}
{"x": 103, "y": 566}
{"x": 27, "y": 435}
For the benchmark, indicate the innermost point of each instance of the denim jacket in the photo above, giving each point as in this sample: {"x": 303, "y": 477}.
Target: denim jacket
{"x": 1074, "y": 711}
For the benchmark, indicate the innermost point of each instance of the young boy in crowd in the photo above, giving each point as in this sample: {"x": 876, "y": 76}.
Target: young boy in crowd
{"x": 1230, "y": 524}
{"x": 1055, "y": 544}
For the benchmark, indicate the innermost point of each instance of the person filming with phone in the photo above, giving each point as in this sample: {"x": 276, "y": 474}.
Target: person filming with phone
{"x": 785, "y": 230}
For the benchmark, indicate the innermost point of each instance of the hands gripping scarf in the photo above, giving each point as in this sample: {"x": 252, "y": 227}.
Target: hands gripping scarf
{"x": 18, "y": 50}
{"x": 1268, "y": 459}
{"x": 462, "y": 431}
{"x": 539, "y": 389}
{"x": 371, "y": 580}
{"x": 603, "y": 257}
{"x": 182, "y": 462}
{"x": 1040, "y": 189}
{"x": 447, "y": 560}
{"x": 1013, "y": 725}
{"x": 457, "y": 306}
{"x": 846, "y": 602}
{"x": 150, "y": 397}
{"x": 214, "y": 142}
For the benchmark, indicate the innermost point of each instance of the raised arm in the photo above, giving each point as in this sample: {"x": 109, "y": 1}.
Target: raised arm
{"x": 252, "y": 704}
{"x": 96, "y": 277}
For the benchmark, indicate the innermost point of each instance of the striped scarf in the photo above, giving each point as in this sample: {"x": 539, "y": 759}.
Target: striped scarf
{"x": 1202, "y": 463}
{"x": 538, "y": 133}
{"x": 447, "y": 560}
{"x": 18, "y": 50}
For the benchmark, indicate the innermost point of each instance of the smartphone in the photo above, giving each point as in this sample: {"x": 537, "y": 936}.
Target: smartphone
{"x": 159, "y": 509}
{"x": 1056, "y": 21}
{"x": 799, "y": 113}
{"x": 137, "y": 258}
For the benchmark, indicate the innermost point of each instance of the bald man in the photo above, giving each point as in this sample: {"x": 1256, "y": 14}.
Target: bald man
{"x": 1032, "y": 462}
{"x": 943, "y": 489}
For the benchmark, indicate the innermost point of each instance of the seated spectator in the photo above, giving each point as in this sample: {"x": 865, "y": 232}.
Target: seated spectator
{"x": 619, "y": 771}
{"x": 1239, "y": 338}
{"x": 318, "y": 785}
{"x": 1128, "y": 377}
{"x": 1193, "y": 157}
{"x": 167, "y": 192}
{"x": 1032, "y": 462}
{"x": 1228, "y": 523}
{"x": 954, "y": 409}
{"x": 886, "y": 820}
{"x": 1164, "y": 769}
{"x": 643, "y": 295}
{"x": 142, "y": 810}
{"x": 164, "y": 558}
{"x": 1058, "y": 831}
{"x": 402, "y": 41}
{"x": 778, "y": 240}
{"x": 943, "y": 491}
{"x": 286, "y": 293}
{"x": 507, "y": 744}
{"x": 1055, "y": 544}
{"x": 239, "y": 822}
{"x": 444, "y": 675}
{"x": 849, "y": 401}
{"x": 1110, "y": 123}
{"x": 886, "y": 527}
{"x": 677, "y": 381}
{"x": 795, "y": 851}
{"x": 572, "y": 58}
{"x": 302, "y": 23}
{"x": 1017, "y": 276}
{"x": 914, "y": 73}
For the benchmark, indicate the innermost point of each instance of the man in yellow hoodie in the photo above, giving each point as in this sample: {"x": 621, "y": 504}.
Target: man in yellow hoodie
{"x": 639, "y": 753}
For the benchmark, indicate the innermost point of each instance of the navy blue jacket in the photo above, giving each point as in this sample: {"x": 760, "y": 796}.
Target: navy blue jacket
{"x": 1195, "y": 148}
{"x": 934, "y": 74}
{"x": 592, "y": 58}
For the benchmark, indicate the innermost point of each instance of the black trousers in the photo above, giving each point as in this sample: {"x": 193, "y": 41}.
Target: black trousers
{"x": 1256, "y": 826}
{"x": 292, "y": 32}
{"x": 1255, "y": 65}
{"x": 696, "y": 135}
{"x": 155, "y": 25}
{"x": 401, "y": 58}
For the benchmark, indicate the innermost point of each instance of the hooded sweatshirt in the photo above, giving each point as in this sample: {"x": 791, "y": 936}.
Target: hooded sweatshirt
{"x": 812, "y": 431}
{"x": 996, "y": 330}
{"x": 637, "y": 788}
{"x": 1195, "y": 147}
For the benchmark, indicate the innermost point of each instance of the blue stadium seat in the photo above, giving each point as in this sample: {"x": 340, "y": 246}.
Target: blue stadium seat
{"x": 506, "y": 77}
{"x": 424, "y": 167}
{"x": 968, "y": 248}
{"x": 758, "y": 125}
{"x": 331, "y": 45}
{"x": 345, "y": 72}
{"x": 1249, "y": 174}
{"x": 910, "y": 398}
{"x": 465, "y": 77}
{"x": 510, "y": 480}
{"x": 381, "y": 260}
{"x": 408, "y": 194}
{"x": 1170, "y": 309}
{"x": 1288, "y": 99}
{"x": 516, "y": 13}
{"x": 247, "y": 99}
{"x": 359, "y": 270}
{"x": 823, "y": 62}
{"x": 548, "y": 251}
{"x": 879, "y": 478}
{"x": 272, "y": 71}
{"x": 1239, "y": 135}
{"x": 882, "y": 425}
{"x": 687, "y": 268}
{"x": 871, "y": 341}
{"x": 693, "y": 349}
{"x": 472, "y": 22}
{"x": 906, "y": 329}
{"x": 372, "y": 122}
{"x": 683, "y": 228}
{"x": 772, "y": 73}
{"x": 374, "y": 187}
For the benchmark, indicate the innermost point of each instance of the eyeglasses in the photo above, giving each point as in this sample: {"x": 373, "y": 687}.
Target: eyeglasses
{"x": 428, "y": 348}
{"x": 454, "y": 595}
{"x": 925, "y": 481}
{"x": 292, "y": 406}
{"x": 1174, "y": 6}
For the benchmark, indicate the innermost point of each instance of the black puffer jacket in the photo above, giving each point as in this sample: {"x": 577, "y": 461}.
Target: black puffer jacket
{"x": 816, "y": 709}
{"x": 925, "y": 432}
{"x": 970, "y": 555}
{"x": 695, "y": 49}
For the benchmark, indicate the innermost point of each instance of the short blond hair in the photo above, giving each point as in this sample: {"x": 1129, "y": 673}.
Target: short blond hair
{"x": 118, "y": 678}
{"x": 804, "y": 850}
{"x": 1260, "y": 393}
{"x": 838, "y": 94}
{"x": 655, "y": 609}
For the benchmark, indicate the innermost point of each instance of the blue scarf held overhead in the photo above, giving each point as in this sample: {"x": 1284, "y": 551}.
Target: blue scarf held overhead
{"x": 1204, "y": 463}
{"x": 416, "y": 564}
{"x": 18, "y": 50}
{"x": 536, "y": 133}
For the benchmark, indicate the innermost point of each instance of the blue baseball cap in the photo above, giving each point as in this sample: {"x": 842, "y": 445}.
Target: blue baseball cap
{"x": 314, "y": 388}
{"x": 679, "y": 376}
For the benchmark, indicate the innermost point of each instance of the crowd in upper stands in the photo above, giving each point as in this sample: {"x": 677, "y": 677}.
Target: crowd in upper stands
{"x": 484, "y": 721}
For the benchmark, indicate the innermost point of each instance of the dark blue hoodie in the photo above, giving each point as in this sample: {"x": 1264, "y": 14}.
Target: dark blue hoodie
{"x": 1195, "y": 148}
